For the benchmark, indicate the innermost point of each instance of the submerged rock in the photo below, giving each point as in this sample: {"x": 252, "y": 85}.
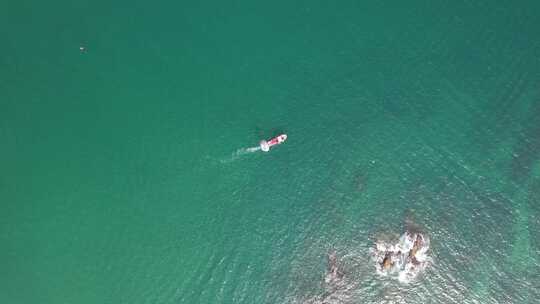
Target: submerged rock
{"x": 334, "y": 272}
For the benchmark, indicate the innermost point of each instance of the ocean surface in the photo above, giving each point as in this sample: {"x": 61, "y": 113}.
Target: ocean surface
{"x": 129, "y": 170}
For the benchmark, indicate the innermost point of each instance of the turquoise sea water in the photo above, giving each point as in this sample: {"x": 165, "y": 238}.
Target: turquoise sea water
{"x": 125, "y": 176}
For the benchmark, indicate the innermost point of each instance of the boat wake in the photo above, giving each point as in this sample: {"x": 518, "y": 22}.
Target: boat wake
{"x": 249, "y": 150}
{"x": 239, "y": 153}
{"x": 245, "y": 151}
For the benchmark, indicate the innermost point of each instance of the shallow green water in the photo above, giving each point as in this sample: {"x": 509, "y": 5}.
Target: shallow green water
{"x": 125, "y": 179}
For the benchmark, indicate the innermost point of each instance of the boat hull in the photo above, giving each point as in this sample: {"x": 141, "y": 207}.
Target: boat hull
{"x": 266, "y": 145}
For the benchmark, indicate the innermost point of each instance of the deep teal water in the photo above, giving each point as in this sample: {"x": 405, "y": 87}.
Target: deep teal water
{"x": 124, "y": 177}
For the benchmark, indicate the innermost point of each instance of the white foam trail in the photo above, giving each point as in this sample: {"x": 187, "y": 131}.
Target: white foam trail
{"x": 243, "y": 151}
{"x": 253, "y": 149}
{"x": 240, "y": 152}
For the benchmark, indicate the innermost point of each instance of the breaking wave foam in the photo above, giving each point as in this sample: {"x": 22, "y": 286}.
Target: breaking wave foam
{"x": 403, "y": 260}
